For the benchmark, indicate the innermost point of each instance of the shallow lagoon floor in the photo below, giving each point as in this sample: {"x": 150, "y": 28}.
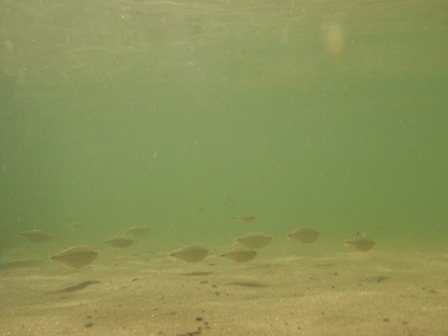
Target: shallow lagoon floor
{"x": 287, "y": 290}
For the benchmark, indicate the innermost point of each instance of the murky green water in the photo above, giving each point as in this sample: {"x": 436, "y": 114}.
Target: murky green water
{"x": 183, "y": 115}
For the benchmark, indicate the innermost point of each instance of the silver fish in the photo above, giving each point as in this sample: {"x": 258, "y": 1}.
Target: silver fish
{"x": 254, "y": 240}
{"x": 190, "y": 253}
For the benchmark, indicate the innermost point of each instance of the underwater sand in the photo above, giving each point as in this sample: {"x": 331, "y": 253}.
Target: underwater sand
{"x": 285, "y": 291}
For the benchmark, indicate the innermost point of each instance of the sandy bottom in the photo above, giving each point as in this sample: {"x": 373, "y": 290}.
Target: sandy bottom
{"x": 282, "y": 292}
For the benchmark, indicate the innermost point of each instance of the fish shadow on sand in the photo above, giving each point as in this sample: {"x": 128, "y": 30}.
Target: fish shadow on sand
{"x": 247, "y": 284}
{"x": 77, "y": 287}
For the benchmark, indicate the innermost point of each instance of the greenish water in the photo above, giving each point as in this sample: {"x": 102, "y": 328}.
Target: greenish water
{"x": 183, "y": 115}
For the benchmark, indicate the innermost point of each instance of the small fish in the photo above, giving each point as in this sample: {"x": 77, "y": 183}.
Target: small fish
{"x": 240, "y": 254}
{"x": 378, "y": 278}
{"x": 76, "y": 257}
{"x": 361, "y": 242}
{"x": 119, "y": 241}
{"x": 245, "y": 219}
{"x": 190, "y": 253}
{"x": 254, "y": 240}
{"x": 37, "y": 236}
{"x": 138, "y": 230}
{"x": 74, "y": 225}
{"x": 304, "y": 235}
